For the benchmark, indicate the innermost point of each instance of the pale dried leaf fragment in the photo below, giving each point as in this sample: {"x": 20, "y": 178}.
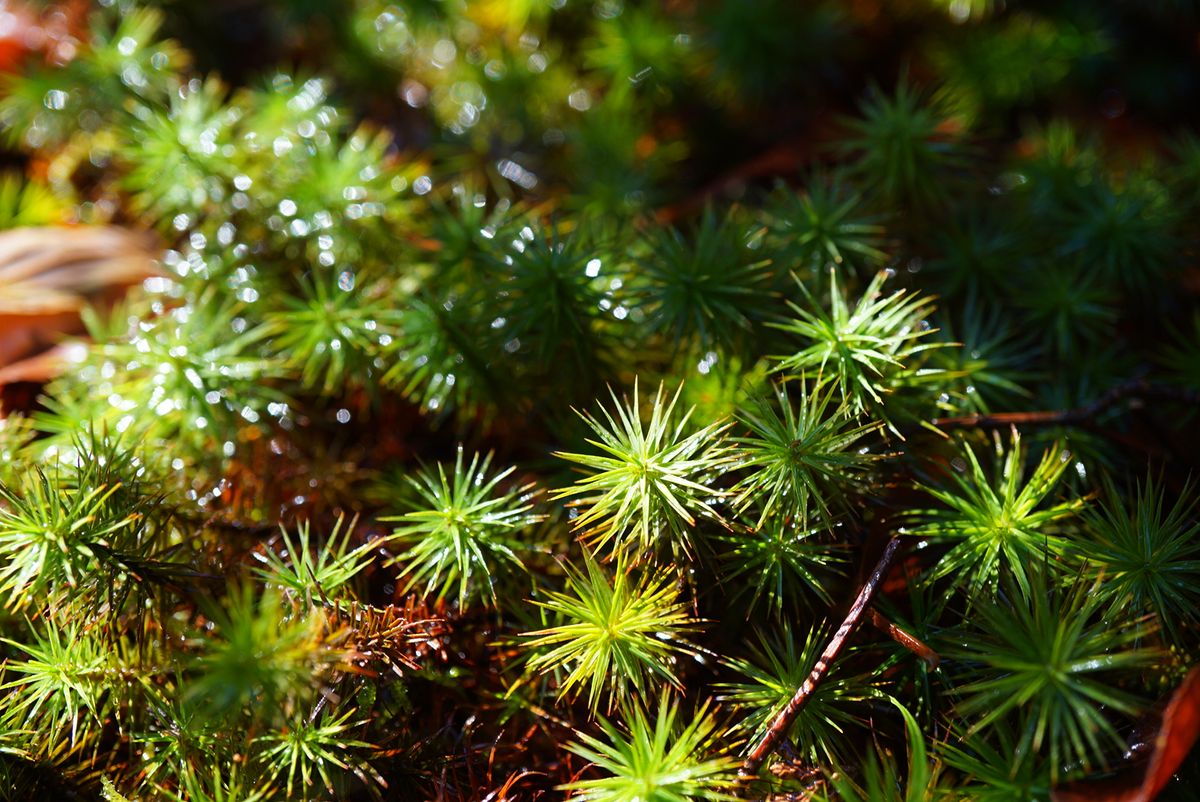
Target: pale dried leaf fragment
{"x": 47, "y": 276}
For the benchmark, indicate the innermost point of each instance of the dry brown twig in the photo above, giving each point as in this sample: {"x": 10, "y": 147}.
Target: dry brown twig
{"x": 779, "y": 727}
{"x": 1137, "y": 388}
{"x": 905, "y": 639}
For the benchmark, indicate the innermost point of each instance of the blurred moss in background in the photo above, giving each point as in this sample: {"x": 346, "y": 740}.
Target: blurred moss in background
{"x": 504, "y": 399}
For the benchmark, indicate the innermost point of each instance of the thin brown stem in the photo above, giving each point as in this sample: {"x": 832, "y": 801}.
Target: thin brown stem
{"x": 905, "y": 639}
{"x": 1134, "y": 388}
{"x": 783, "y": 721}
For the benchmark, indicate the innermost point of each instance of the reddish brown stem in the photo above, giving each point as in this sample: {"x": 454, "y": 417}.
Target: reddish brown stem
{"x": 783, "y": 721}
{"x": 1138, "y": 388}
{"x": 910, "y": 642}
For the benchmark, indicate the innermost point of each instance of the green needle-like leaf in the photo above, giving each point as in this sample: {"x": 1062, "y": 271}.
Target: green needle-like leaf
{"x": 800, "y": 459}
{"x": 707, "y": 290}
{"x": 865, "y": 352}
{"x": 308, "y": 750}
{"x": 311, "y": 573}
{"x": 61, "y": 684}
{"x": 615, "y": 637}
{"x": 903, "y": 151}
{"x": 882, "y": 778}
{"x": 652, "y": 484}
{"x": 461, "y": 528}
{"x": 780, "y": 562}
{"x": 333, "y": 332}
{"x": 825, "y": 226}
{"x": 656, "y": 762}
{"x": 995, "y": 523}
{"x": 1049, "y": 657}
{"x": 262, "y": 655}
{"x": 1146, "y": 555}
{"x": 54, "y": 537}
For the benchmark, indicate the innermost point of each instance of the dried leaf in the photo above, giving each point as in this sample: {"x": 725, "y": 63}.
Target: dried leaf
{"x": 47, "y": 276}
{"x": 44, "y": 366}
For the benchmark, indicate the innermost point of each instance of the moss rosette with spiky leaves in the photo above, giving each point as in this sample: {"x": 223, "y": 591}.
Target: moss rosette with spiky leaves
{"x": 391, "y": 269}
